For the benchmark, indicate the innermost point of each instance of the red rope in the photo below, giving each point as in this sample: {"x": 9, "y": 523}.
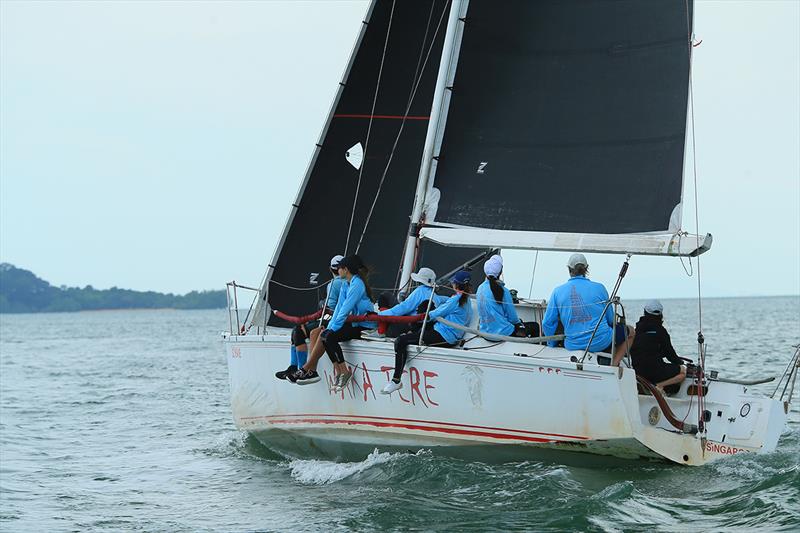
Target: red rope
{"x": 368, "y": 317}
{"x": 298, "y": 319}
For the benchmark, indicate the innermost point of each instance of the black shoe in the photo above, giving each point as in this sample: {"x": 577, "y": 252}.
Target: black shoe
{"x": 283, "y": 374}
{"x": 308, "y": 377}
{"x": 293, "y": 376}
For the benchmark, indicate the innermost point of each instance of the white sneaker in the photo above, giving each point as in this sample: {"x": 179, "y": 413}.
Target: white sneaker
{"x": 336, "y": 382}
{"x": 392, "y": 387}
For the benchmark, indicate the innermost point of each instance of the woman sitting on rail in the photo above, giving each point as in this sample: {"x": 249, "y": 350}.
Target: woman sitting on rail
{"x": 312, "y": 330}
{"x": 456, "y": 309}
{"x": 651, "y": 345}
{"x": 496, "y": 307}
{"x": 415, "y": 303}
{"x": 355, "y": 298}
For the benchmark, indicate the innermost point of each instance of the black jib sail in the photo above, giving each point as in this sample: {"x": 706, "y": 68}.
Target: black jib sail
{"x": 568, "y": 116}
{"x": 359, "y": 188}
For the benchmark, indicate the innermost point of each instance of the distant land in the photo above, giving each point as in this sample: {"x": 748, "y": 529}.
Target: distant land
{"x": 21, "y": 291}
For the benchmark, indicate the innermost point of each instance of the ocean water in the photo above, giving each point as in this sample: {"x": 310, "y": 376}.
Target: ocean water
{"x": 120, "y": 420}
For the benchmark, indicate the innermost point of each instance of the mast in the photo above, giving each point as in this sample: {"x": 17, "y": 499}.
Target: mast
{"x": 457, "y": 10}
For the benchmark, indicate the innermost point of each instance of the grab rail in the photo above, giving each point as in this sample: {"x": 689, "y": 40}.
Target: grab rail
{"x": 235, "y": 309}
{"x": 790, "y": 375}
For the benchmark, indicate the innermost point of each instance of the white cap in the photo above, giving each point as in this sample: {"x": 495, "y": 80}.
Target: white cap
{"x": 426, "y": 276}
{"x": 654, "y": 307}
{"x": 577, "y": 259}
{"x": 493, "y": 266}
{"x": 335, "y": 260}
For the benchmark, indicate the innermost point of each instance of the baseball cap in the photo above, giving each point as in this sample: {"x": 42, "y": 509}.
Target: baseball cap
{"x": 426, "y": 276}
{"x": 461, "y": 277}
{"x": 577, "y": 259}
{"x": 493, "y": 266}
{"x": 335, "y": 260}
{"x": 353, "y": 263}
{"x": 654, "y": 307}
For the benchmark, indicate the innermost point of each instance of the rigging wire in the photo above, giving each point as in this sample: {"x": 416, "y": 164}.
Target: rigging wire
{"x": 700, "y": 339}
{"x": 369, "y": 126}
{"x": 399, "y": 133}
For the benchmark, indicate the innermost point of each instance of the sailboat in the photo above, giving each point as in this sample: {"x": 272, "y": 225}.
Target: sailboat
{"x": 464, "y": 127}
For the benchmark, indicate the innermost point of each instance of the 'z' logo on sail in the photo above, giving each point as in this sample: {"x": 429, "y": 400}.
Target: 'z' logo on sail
{"x": 482, "y": 166}
{"x": 312, "y": 278}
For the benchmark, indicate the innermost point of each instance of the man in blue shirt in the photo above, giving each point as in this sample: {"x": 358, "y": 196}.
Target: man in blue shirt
{"x": 578, "y": 304}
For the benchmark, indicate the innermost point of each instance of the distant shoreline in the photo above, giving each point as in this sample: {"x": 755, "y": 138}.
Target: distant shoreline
{"x": 21, "y": 291}
{"x": 98, "y": 311}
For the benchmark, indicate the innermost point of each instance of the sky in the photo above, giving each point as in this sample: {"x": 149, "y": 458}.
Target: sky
{"x": 159, "y": 145}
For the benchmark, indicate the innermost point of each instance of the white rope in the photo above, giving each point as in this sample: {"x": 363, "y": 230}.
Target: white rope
{"x": 500, "y": 338}
{"x": 399, "y": 133}
{"x": 300, "y": 288}
{"x": 533, "y": 275}
{"x": 369, "y": 127}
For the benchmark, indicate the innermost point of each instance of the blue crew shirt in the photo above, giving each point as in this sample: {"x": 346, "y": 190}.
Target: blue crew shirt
{"x": 409, "y": 306}
{"x": 334, "y": 289}
{"x": 450, "y": 310}
{"x": 498, "y": 318}
{"x": 579, "y": 304}
{"x": 353, "y": 300}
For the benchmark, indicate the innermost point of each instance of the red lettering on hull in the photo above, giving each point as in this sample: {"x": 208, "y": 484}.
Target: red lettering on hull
{"x": 420, "y": 385}
{"x": 723, "y": 448}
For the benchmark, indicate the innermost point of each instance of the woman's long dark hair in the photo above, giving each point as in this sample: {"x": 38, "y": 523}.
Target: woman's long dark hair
{"x": 466, "y": 289}
{"x": 497, "y": 289}
{"x": 363, "y": 273}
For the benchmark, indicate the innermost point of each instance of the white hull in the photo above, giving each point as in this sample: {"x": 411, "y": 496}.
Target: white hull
{"x": 487, "y": 399}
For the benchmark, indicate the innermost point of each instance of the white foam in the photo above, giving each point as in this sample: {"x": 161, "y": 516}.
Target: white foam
{"x": 316, "y": 472}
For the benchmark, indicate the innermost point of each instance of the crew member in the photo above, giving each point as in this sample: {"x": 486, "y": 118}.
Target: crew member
{"x": 355, "y": 298}
{"x": 579, "y": 305}
{"x": 651, "y": 345}
{"x": 456, "y": 309}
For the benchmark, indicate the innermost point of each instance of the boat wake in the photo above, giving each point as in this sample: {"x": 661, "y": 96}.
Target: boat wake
{"x": 320, "y": 472}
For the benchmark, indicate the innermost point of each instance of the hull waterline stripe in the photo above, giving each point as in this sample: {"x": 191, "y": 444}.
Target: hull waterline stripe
{"x": 415, "y": 427}
{"x": 415, "y": 421}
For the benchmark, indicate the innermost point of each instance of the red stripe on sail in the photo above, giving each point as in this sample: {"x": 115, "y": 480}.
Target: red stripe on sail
{"x": 383, "y": 117}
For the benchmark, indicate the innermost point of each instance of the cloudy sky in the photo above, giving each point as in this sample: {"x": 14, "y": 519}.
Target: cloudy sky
{"x": 158, "y": 145}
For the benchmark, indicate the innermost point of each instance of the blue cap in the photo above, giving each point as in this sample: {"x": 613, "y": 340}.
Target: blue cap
{"x": 461, "y": 277}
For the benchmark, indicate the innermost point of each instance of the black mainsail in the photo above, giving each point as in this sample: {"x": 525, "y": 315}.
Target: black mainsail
{"x": 359, "y": 187}
{"x": 568, "y": 116}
